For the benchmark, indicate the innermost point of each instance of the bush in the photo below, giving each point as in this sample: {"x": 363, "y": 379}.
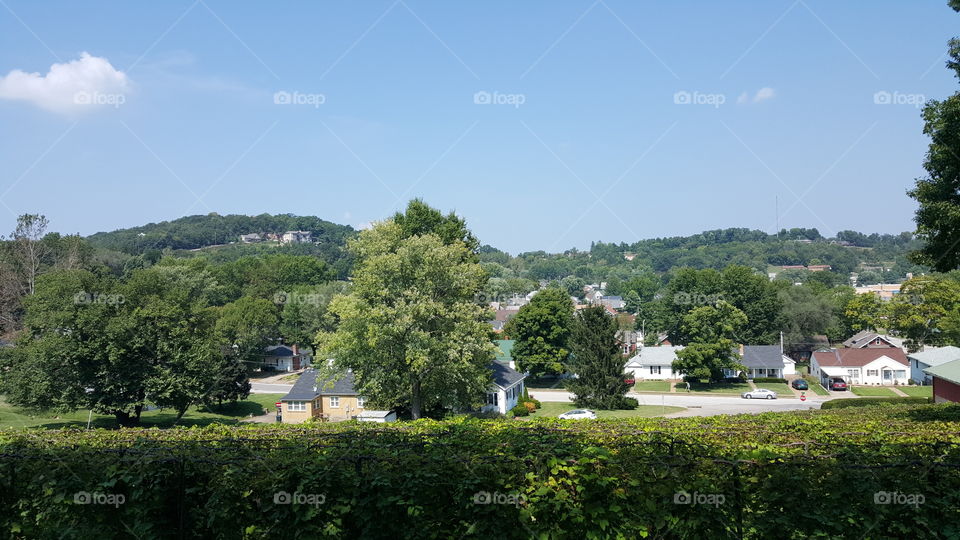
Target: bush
{"x": 628, "y": 403}
{"x": 770, "y": 380}
{"x": 872, "y": 402}
{"x": 529, "y": 405}
{"x": 522, "y": 400}
{"x": 520, "y": 410}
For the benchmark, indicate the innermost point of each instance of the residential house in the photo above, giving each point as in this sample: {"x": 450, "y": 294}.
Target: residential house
{"x": 285, "y": 358}
{"x": 885, "y": 291}
{"x": 654, "y": 363}
{"x": 250, "y": 238}
{"x": 502, "y": 315}
{"x": 766, "y": 361}
{"x": 629, "y": 342}
{"x": 505, "y": 390}
{"x": 946, "y": 381}
{"x": 330, "y": 400}
{"x": 818, "y": 267}
{"x": 613, "y": 302}
{"x": 930, "y": 357}
{"x": 866, "y": 338}
{"x": 296, "y": 237}
{"x": 870, "y": 365}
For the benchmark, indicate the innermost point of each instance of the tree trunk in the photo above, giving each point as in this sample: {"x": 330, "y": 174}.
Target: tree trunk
{"x": 415, "y": 398}
{"x": 125, "y": 419}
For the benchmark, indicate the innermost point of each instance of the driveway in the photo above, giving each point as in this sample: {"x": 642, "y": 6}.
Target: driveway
{"x": 700, "y": 405}
{"x": 269, "y": 388}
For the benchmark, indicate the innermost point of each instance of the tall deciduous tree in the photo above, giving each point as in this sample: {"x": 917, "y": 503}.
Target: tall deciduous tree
{"x": 595, "y": 358}
{"x": 410, "y": 329}
{"x": 712, "y": 345}
{"x": 541, "y": 330}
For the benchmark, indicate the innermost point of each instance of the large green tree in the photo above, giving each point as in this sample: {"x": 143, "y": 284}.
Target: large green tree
{"x": 938, "y": 216}
{"x": 596, "y": 360}
{"x": 410, "y": 329}
{"x": 541, "y": 330}
{"x": 712, "y": 345}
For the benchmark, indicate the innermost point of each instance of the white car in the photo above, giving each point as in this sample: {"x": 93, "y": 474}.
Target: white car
{"x": 759, "y": 393}
{"x": 578, "y": 414}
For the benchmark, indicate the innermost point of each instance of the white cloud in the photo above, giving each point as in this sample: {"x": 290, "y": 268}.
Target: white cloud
{"x": 744, "y": 97}
{"x": 70, "y": 87}
{"x": 763, "y": 94}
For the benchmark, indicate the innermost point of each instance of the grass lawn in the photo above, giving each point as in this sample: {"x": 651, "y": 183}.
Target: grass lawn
{"x": 872, "y": 391}
{"x": 817, "y": 388}
{"x": 715, "y": 388}
{"x": 228, "y": 413}
{"x": 782, "y": 390}
{"x": 917, "y": 391}
{"x": 652, "y": 386}
{"x": 553, "y": 409}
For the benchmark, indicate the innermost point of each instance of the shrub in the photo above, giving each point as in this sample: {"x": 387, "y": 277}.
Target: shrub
{"x": 628, "y": 403}
{"x": 529, "y": 405}
{"x": 520, "y": 410}
{"x": 872, "y": 402}
{"x": 769, "y": 380}
{"x": 536, "y": 402}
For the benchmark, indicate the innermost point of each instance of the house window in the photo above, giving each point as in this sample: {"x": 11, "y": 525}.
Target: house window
{"x": 361, "y": 402}
{"x": 296, "y": 405}
{"x": 334, "y": 402}
{"x": 872, "y": 373}
{"x": 492, "y": 398}
{"x": 654, "y": 370}
{"x": 900, "y": 374}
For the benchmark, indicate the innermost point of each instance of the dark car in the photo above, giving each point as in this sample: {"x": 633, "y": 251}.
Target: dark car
{"x": 837, "y": 385}
{"x": 800, "y": 384}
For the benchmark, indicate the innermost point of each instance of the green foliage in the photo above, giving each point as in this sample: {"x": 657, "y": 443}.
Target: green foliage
{"x": 596, "y": 479}
{"x": 596, "y": 359}
{"x": 520, "y": 410}
{"x": 872, "y": 402}
{"x": 759, "y": 380}
{"x": 541, "y": 330}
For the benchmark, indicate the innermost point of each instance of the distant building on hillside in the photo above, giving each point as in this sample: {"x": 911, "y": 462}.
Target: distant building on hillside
{"x": 886, "y": 291}
{"x": 296, "y": 237}
{"x": 250, "y": 238}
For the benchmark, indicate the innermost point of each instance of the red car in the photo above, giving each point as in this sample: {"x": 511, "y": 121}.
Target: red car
{"x": 630, "y": 380}
{"x": 837, "y": 384}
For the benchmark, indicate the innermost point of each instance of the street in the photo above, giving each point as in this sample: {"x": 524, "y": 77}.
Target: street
{"x": 700, "y": 405}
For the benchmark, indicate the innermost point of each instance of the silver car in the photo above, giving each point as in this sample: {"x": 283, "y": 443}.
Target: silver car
{"x": 578, "y": 414}
{"x": 759, "y": 393}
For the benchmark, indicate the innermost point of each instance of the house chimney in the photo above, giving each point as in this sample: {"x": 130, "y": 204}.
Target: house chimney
{"x": 741, "y": 349}
{"x": 296, "y": 349}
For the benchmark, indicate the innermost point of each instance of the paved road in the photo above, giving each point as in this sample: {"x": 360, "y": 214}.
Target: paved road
{"x": 698, "y": 405}
{"x": 267, "y": 388}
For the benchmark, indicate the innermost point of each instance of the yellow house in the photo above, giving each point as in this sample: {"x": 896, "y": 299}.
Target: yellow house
{"x": 326, "y": 400}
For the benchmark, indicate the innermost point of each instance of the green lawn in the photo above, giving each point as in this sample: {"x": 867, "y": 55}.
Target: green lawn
{"x": 917, "y": 391}
{"x": 715, "y": 388}
{"x": 553, "y": 409}
{"x": 782, "y": 390}
{"x": 816, "y": 387}
{"x": 872, "y": 391}
{"x": 652, "y": 386}
{"x": 229, "y": 413}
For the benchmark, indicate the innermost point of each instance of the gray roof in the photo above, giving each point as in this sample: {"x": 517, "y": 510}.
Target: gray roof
{"x": 762, "y": 356}
{"x": 862, "y": 338}
{"x": 278, "y": 350}
{"x": 504, "y": 376}
{"x": 934, "y": 356}
{"x": 655, "y": 356}
{"x": 307, "y": 387}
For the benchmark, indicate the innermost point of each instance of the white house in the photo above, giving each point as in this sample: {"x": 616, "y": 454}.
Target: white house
{"x": 654, "y": 363}
{"x": 766, "y": 361}
{"x": 285, "y": 358}
{"x": 876, "y": 366}
{"x": 296, "y": 237}
{"x": 930, "y": 357}
{"x": 507, "y": 387}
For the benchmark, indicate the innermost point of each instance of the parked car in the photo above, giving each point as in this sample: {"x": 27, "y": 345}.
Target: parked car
{"x": 578, "y": 414}
{"x": 800, "y": 384}
{"x": 837, "y": 385}
{"x": 630, "y": 380}
{"x": 759, "y": 393}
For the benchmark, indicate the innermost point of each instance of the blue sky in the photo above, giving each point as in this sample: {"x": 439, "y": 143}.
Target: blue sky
{"x": 546, "y": 124}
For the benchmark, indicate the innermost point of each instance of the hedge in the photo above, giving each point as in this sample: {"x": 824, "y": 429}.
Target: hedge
{"x": 774, "y": 475}
{"x": 769, "y": 380}
{"x": 872, "y": 402}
